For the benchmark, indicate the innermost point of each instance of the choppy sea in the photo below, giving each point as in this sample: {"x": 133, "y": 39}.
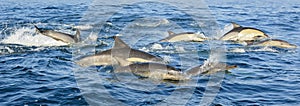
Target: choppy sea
{"x": 38, "y": 70}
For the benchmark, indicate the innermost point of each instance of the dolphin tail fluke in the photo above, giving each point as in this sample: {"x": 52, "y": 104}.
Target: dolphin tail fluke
{"x": 77, "y": 36}
{"x": 37, "y": 29}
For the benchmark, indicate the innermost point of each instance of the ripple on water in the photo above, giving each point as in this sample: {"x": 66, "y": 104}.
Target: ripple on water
{"x": 44, "y": 75}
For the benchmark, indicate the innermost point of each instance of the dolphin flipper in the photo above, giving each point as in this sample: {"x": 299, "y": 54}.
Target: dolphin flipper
{"x": 121, "y": 61}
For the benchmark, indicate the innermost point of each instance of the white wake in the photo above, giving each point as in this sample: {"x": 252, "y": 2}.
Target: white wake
{"x": 28, "y": 37}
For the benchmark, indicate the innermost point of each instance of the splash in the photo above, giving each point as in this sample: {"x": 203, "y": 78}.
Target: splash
{"x": 237, "y": 50}
{"x": 225, "y": 30}
{"x": 157, "y": 47}
{"x": 28, "y": 37}
{"x": 266, "y": 49}
{"x": 84, "y": 27}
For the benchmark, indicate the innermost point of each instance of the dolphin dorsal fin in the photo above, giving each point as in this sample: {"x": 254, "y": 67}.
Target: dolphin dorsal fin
{"x": 235, "y": 25}
{"x": 77, "y": 35}
{"x": 119, "y": 43}
{"x": 171, "y": 33}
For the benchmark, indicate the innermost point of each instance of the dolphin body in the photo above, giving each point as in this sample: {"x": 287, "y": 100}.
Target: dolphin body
{"x": 239, "y": 33}
{"x": 186, "y": 36}
{"x": 166, "y": 72}
{"x": 67, "y": 38}
{"x": 273, "y": 43}
{"x": 121, "y": 54}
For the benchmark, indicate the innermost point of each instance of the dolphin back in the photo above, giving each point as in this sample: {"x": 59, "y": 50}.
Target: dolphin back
{"x": 209, "y": 68}
{"x": 60, "y": 36}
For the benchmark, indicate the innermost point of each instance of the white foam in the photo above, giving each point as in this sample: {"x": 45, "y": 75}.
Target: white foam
{"x": 180, "y": 49}
{"x": 27, "y": 37}
{"x": 83, "y": 27}
{"x": 237, "y": 50}
{"x": 157, "y": 47}
{"x": 266, "y": 49}
{"x": 167, "y": 58}
{"x": 9, "y": 50}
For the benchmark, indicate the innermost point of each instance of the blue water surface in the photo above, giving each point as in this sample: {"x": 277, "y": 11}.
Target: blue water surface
{"x": 44, "y": 75}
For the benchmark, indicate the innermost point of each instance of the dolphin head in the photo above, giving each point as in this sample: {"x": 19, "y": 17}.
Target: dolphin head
{"x": 251, "y": 34}
{"x": 229, "y": 67}
{"x": 260, "y": 36}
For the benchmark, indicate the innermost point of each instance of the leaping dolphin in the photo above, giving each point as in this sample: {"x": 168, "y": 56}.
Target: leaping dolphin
{"x": 186, "y": 36}
{"x": 273, "y": 43}
{"x": 239, "y": 33}
{"x": 166, "y": 72}
{"x": 121, "y": 54}
{"x": 67, "y": 38}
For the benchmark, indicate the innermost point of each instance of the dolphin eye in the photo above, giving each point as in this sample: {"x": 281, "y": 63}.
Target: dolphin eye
{"x": 259, "y": 36}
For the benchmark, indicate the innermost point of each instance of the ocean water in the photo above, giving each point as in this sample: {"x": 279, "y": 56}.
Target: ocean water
{"x": 37, "y": 70}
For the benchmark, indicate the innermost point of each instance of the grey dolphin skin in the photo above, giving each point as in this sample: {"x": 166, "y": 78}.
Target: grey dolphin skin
{"x": 121, "y": 54}
{"x": 273, "y": 43}
{"x": 186, "y": 36}
{"x": 67, "y": 38}
{"x": 165, "y": 72}
{"x": 239, "y": 33}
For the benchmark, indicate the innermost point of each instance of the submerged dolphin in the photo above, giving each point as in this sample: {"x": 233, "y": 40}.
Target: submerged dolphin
{"x": 166, "y": 72}
{"x": 121, "y": 54}
{"x": 274, "y": 43}
{"x": 186, "y": 36}
{"x": 239, "y": 33}
{"x": 67, "y": 38}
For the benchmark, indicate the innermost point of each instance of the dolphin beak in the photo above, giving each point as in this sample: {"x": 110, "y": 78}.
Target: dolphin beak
{"x": 293, "y": 46}
{"x": 267, "y": 35}
{"x": 231, "y": 67}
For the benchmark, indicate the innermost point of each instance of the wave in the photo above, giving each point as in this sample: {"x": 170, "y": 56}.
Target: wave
{"x": 28, "y": 37}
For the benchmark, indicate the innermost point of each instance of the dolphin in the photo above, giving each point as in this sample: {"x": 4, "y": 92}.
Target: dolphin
{"x": 239, "y": 33}
{"x": 166, "y": 72}
{"x": 67, "y": 38}
{"x": 186, "y": 36}
{"x": 273, "y": 43}
{"x": 121, "y": 54}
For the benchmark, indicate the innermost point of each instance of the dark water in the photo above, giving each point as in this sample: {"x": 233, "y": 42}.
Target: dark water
{"x": 36, "y": 70}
